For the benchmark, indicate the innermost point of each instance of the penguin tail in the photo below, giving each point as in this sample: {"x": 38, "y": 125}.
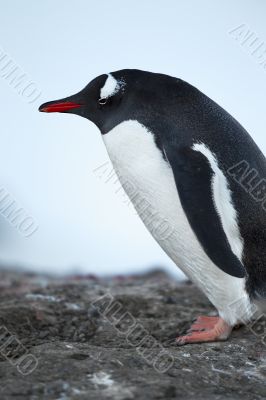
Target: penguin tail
{"x": 259, "y": 294}
{"x": 257, "y": 290}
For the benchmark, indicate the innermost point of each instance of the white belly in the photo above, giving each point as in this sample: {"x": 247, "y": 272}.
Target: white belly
{"x": 149, "y": 182}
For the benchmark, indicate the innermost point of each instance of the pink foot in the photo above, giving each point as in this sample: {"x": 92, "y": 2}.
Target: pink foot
{"x": 206, "y": 329}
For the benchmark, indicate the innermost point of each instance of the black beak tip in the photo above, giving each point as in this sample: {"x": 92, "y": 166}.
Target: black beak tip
{"x": 41, "y": 108}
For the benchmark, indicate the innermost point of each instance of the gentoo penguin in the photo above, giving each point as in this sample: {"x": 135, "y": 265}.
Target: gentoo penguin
{"x": 192, "y": 166}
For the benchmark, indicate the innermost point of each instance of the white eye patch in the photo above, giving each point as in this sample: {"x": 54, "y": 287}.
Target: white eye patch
{"x": 111, "y": 87}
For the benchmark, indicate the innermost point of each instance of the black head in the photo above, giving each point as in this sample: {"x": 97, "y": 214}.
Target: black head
{"x": 113, "y": 98}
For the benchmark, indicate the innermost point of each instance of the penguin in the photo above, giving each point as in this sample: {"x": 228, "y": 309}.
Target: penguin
{"x": 192, "y": 173}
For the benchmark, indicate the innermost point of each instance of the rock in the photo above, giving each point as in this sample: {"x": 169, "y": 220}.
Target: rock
{"x": 114, "y": 339}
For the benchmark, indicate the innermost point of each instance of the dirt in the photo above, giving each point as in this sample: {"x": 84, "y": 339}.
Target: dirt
{"x": 90, "y": 338}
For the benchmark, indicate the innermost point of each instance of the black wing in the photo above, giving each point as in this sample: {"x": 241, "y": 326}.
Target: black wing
{"x": 193, "y": 177}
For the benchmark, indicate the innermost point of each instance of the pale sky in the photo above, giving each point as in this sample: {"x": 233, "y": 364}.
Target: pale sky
{"x": 47, "y": 161}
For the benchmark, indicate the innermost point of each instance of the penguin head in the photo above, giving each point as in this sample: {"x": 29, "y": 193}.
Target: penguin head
{"x": 113, "y": 98}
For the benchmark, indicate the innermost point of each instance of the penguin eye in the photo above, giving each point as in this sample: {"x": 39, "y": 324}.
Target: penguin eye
{"x": 102, "y": 101}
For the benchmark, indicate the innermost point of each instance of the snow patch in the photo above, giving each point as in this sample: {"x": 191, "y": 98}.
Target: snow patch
{"x": 43, "y": 297}
{"x": 111, "y": 389}
{"x": 101, "y": 378}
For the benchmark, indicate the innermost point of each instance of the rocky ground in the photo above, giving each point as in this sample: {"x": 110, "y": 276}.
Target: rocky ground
{"x": 89, "y": 338}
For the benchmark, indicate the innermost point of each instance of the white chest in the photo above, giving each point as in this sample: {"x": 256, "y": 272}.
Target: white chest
{"x": 149, "y": 182}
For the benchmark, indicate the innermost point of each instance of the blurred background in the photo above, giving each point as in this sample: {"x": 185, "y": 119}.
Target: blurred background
{"x": 54, "y": 168}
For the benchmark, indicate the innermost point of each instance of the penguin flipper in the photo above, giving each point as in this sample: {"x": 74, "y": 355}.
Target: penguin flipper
{"x": 193, "y": 177}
